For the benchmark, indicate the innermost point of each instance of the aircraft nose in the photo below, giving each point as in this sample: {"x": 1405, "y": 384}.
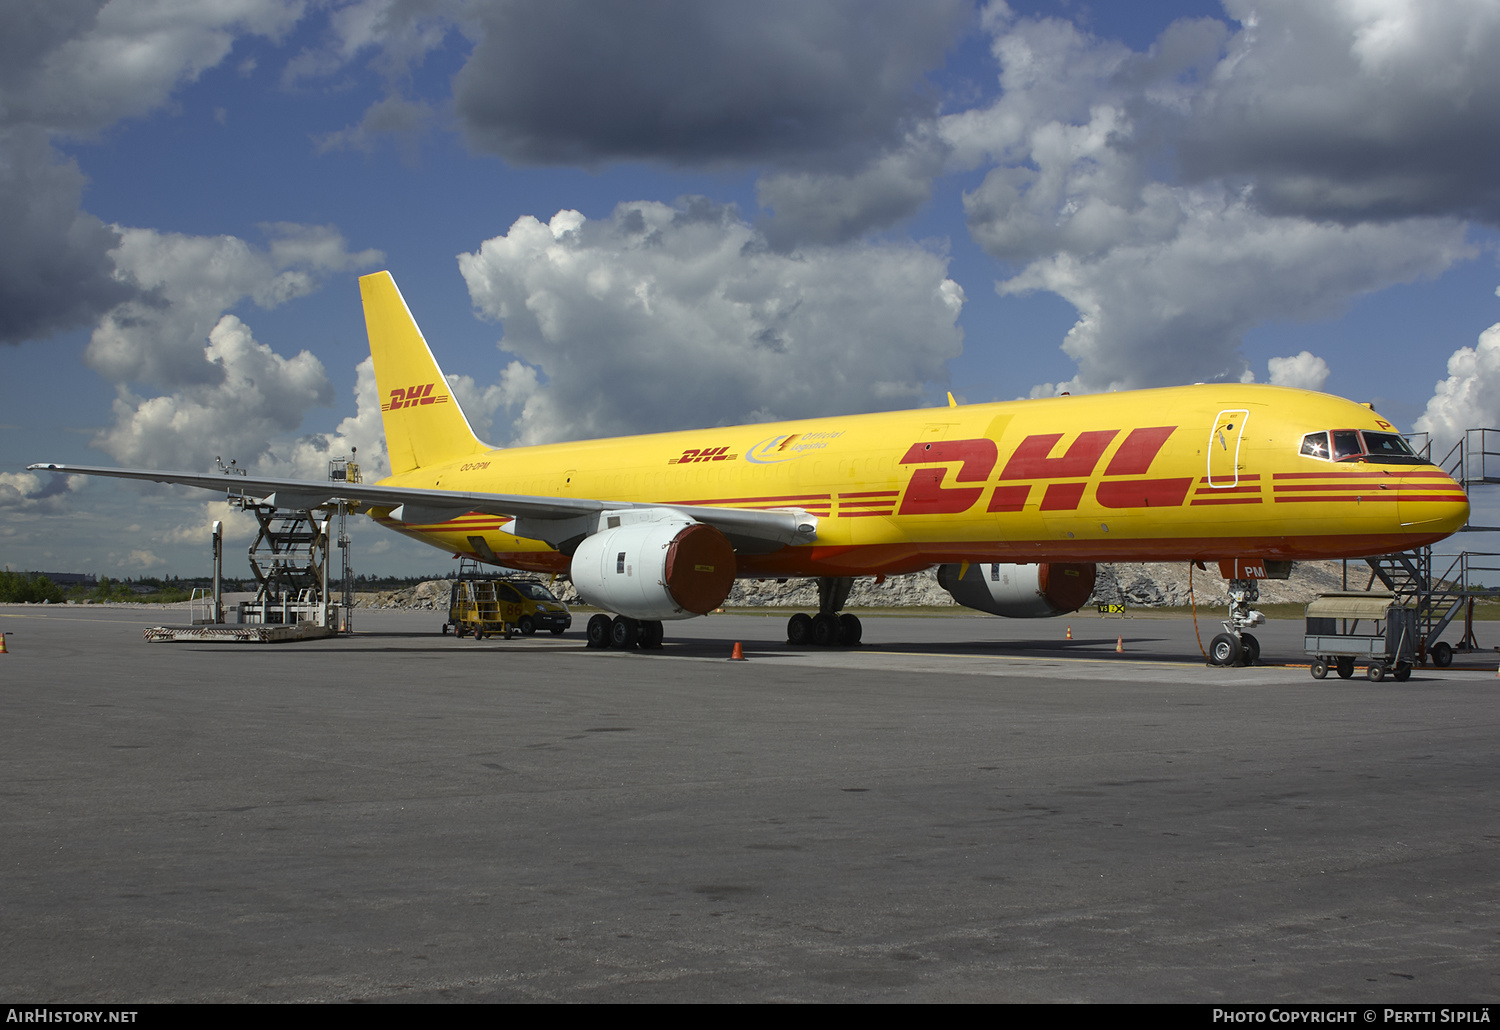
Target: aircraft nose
{"x": 1432, "y": 502}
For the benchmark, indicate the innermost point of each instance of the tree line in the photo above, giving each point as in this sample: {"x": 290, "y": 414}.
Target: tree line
{"x": 35, "y": 588}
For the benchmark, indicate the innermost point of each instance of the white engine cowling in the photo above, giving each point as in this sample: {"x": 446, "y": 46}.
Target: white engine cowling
{"x": 1019, "y": 591}
{"x": 665, "y": 568}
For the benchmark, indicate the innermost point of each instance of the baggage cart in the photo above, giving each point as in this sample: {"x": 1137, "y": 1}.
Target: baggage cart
{"x": 1375, "y": 630}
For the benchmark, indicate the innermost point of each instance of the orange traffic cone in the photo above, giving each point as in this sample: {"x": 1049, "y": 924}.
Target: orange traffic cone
{"x": 738, "y": 655}
{"x": 2, "y": 643}
{"x": 1119, "y": 645}
{"x": 1070, "y": 634}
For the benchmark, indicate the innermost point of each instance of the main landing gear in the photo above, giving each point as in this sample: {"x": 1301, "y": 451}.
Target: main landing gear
{"x": 624, "y": 633}
{"x": 828, "y": 628}
{"x": 1234, "y": 646}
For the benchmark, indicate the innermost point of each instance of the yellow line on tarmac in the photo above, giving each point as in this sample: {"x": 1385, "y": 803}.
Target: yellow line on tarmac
{"x": 1033, "y": 658}
{"x": 55, "y": 618}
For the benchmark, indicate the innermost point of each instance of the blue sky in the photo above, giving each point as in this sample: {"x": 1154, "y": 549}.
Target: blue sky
{"x": 632, "y": 217}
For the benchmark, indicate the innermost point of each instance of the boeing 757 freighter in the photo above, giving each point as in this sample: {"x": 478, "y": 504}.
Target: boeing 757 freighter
{"x": 1015, "y": 501}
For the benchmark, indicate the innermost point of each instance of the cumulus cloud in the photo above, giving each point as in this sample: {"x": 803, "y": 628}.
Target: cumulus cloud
{"x": 1305, "y": 371}
{"x": 191, "y": 381}
{"x": 255, "y": 395}
{"x": 1160, "y": 311}
{"x": 666, "y": 317}
{"x": 186, "y": 283}
{"x": 1377, "y": 109}
{"x": 28, "y": 493}
{"x": 74, "y": 67}
{"x": 821, "y": 208}
{"x": 84, "y": 66}
{"x": 55, "y": 269}
{"x": 197, "y": 528}
{"x": 400, "y": 33}
{"x": 811, "y": 82}
{"x": 1469, "y": 398}
{"x": 360, "y": 436}
{"x": 1166, "y": 276}
{"x": 138, "y": 558}
{"x": 395, "y": 118}
{"x": 518, "y": 384}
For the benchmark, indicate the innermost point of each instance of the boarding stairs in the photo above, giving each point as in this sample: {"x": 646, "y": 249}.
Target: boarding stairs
{"x": 1443, "y": 587}
{"x": 1436, "y": 600}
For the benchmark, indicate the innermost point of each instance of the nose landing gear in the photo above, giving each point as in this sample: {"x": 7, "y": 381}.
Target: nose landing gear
{"x": 1235, "y": 646}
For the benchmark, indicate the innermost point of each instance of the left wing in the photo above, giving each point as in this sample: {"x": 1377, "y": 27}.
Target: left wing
{"x": 552, "y": 519}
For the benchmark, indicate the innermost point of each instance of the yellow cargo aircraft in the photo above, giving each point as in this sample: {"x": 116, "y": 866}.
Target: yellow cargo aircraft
{"x": 1015, "y": 501}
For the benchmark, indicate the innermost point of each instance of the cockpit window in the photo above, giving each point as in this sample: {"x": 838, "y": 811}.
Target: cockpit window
{"x": 1315, "y": 445}
{"x": 1361, "y": 445}
{"x": 1346, "y": 444}
{"x": 1379, "y": 445}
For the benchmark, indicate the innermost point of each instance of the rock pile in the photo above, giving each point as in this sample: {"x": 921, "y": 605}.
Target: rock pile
{"x": 433, "y": 594}
{"x": 1148, "y": 585}
{"x": 1166, "y": 584}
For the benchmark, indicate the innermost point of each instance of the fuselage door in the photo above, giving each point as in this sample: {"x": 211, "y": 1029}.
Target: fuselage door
{"x": 1224, "y": 447}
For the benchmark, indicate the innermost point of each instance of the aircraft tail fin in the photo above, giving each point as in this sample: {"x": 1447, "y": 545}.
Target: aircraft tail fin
{"x": 423, "y": 423}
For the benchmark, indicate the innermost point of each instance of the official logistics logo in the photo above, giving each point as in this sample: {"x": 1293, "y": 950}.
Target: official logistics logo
{"x": 784, "y": 448}
{"x": 411, "y": 396}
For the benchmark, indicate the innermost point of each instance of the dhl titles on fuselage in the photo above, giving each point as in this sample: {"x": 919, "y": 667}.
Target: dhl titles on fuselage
{"x": 1176, "y": 474}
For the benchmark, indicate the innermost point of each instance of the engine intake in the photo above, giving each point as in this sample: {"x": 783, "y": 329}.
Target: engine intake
{"x": 1019, "y": 591}
{"x": 655, "y": 567}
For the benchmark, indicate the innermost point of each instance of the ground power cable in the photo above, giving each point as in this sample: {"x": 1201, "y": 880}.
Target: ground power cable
{"x": 1194, "y": 602}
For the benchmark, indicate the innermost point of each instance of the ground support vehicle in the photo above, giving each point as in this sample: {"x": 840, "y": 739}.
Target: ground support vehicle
{"x": 529, "y": 604}
{"x": 1344, "y": 629}
{"x": 540, "y": 608}
{"x": 476, "y": 608}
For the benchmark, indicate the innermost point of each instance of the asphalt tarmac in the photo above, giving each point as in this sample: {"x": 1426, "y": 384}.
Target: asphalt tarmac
{"x": 962, "y": 809}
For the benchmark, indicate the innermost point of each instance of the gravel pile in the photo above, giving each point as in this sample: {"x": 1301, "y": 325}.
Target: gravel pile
{"x": 1139, "y": 585}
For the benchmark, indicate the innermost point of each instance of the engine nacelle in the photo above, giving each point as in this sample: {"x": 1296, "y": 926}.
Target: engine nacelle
{"x": 654, "y": 565}
{"x": 1019, "y": 591}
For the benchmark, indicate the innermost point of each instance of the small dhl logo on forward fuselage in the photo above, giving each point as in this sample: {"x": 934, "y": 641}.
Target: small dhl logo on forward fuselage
{"x": 411, "y": 396}
{"x": 1033, "y": 460}
{"x": 705, "y": 454}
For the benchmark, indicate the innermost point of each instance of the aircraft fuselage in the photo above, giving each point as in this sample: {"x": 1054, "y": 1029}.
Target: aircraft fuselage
{"x": 1194, "y": 473}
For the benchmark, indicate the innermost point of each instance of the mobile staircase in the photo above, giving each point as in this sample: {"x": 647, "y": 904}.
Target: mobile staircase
{"x": 1439, "y": 597}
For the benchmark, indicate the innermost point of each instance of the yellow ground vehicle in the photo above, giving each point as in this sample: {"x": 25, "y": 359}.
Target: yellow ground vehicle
{"x": 486, "y": 601}
{"x": 475, "y": 607}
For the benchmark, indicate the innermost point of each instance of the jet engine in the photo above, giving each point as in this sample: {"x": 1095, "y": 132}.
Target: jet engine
{"x": 657, "y": 565}
{"x": 1019, "y": 591}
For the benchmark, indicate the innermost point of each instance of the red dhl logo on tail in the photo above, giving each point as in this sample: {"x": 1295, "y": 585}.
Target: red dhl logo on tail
{"x": 411, "y": 396}
{"x": 1032, "y": 460}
